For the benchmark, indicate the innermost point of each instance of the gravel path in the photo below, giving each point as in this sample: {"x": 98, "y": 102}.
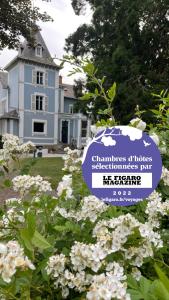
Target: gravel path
{"x": 7, "y": 193}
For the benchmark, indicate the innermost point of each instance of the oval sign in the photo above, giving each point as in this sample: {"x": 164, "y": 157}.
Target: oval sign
{"x": 122, "y": 165}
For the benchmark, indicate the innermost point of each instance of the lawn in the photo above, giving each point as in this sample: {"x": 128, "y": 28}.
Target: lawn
{"x": 49, "y": 168}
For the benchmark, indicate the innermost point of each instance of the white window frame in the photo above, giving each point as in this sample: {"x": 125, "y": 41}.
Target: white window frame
{"x": 82, "y": 128}
{"x": 43, "y": 78}
{"x": 36, "y": 51}
{"x": 39, "y": 121}
{"x": 70, "y": 108}
{"x": 43, "y": 99}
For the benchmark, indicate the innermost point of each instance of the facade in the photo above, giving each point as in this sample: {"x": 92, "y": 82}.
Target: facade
{"x": 35, "y": 104}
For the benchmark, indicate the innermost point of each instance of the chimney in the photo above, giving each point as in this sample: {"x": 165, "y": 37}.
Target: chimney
{"x": 60, "y": 80}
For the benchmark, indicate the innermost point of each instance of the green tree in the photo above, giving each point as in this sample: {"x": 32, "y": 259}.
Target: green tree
{"x": 129, "y": 43}
{"x": 18, "y": 18}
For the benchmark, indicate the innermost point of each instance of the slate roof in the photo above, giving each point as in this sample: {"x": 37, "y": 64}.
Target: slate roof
{"x": 27, "y": 53}
{"x": 13, "y": 114}
{"x": 4, "y": 79}
{"x": 68, "y": 90}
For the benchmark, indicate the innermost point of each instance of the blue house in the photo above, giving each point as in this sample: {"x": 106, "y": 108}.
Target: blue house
{"x": 34, "y": 103}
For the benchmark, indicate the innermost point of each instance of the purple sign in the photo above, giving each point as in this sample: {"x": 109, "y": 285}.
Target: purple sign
{"x": 122, "y": 165}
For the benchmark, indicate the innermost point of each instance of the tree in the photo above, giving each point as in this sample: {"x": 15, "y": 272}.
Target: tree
{"x": 18, "y": 18}
{"x": 129, "y": 43}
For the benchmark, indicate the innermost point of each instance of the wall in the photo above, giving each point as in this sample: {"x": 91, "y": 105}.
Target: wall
{"x": 30, "y": 88}
{"x": 28, "y": 117}
{"x": 67, "y": 102}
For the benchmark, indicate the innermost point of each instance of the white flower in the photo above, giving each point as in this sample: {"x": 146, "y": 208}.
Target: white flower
{"x": 138, "y": 123}
{"x": 3, "y": 249}
{"x": 165, "y": 175}
{"x": 155, "y": 138}
{"x": 11, "y": 258}
{"x": 91, "y": 207}
{"x": 136, "y": 273}
{"x": 87, "y": 256}
{"x": 94, "y": 129}
{"x": 25, "y": 183}
{"x": 65, "y": 185}
{"x": 107, "y": 287}
{"x": 72, "y": 160}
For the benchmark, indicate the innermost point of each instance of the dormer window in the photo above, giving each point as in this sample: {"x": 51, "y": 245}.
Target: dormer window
{"x": 38, "y": 51}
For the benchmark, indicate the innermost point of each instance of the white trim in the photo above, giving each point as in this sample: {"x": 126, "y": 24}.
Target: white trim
{"x": 39, "y": 94}
{"x": 39, "y": 111}
{"x": 40, "y": 85}
{"x": 71, "y": 108}
{"x": 45, "y": 127}
{"x": 21, "y": 101}
{"x": 3, "y": 99}
{"x": 56, "y": 120}
{"x": 38, "y": 138}
{"x": 68, "y": 137}
{"x": 36, "y": 52}
{"x": 79, "y": 134}
{"x": 40, "y": 69}
{"x": 62, "y": 101}
{"x": 74, "y": 129}
{"x": 56, "y": 79}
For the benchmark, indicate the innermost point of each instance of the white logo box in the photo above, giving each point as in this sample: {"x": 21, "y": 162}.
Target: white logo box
{"x": 97, "y": 180}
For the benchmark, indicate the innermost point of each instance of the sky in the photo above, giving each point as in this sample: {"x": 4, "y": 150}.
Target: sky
{"x": 54, "y": 33}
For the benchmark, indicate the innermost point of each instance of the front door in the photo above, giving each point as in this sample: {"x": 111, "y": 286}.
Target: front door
{"x": 65, "y": 125}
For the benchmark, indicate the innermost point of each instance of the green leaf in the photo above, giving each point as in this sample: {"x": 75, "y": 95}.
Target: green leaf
{"x": 132, "y": 282}
{"x": 25, "y": 236}
{"x": 60, "y": 228}
{"x": 71, "y": 226}
{"x": 7, "y": 183}
{"x": 31, "y": 222}
{"x": 159, "y": 290}
{"x": 87, "y": 96}
{"x": 156, "y": 112}
{"x": 106, "y": 111}
{"x": 89, "y": 69}
{"x": 135, "y": 295}
{"x": 162, "y": 277}
{"x": 145, "y": 285}
{"x": 39, "y": 241}
{"x": 112, "y": 92}
{"x": 96, "y": 92}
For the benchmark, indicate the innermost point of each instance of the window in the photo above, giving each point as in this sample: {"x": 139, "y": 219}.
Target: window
{"x": 39, "y": 102}
{"x": 39, "y": 127}
{"x": 70, "y": 108}
{"x": 40, "y": 78}
{"x": 84, "y": 129}
{"x": 38, "y": 51}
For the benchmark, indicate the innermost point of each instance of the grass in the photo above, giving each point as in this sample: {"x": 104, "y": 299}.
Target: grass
{"x": 48, "y": 168}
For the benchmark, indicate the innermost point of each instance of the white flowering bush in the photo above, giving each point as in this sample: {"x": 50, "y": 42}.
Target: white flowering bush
{"x": 74, "y": 246}
{"x": 12, "y": 150}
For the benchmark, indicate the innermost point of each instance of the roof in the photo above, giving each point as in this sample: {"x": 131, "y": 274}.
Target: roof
{"x": 27, "y": 53}
{"x": 13, "y": 114}
{"x": 4, "y": 79}
{"x": 69, "y": 91}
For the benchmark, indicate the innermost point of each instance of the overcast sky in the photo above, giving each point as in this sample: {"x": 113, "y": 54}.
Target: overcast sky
{"x": 54, "y": 33}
